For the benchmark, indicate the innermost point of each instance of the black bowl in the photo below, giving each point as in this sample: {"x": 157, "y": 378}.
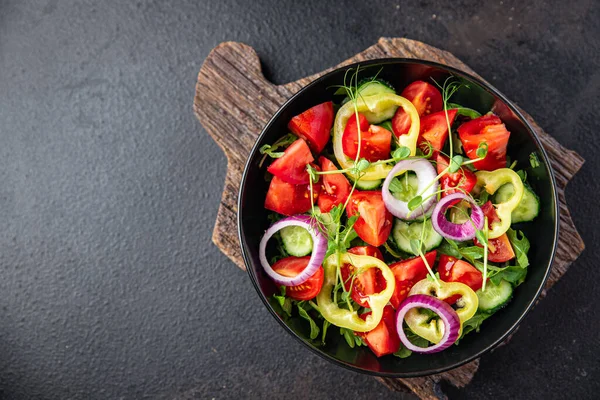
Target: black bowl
{"x": 543, "y": 233}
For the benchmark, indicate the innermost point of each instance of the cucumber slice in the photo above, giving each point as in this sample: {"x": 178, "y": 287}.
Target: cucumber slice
{"x": 405, "y": 187}
{"x": 528, "y": 208}
{"x": 377, "y": 86}
{"x": 403, "y": 232}
{"x": 296, "y": 240}
{"x": 371, "y": 87}
{"x": 494, "y": 297}
{"x": 363, "y": 184}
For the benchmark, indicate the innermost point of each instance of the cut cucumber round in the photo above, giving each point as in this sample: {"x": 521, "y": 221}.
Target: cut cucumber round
{"x": 494, "y": 297}
{"x": 404, "y": 187}
{"x": 296, "y": 240}
{"x": 403, "y": 232}
{"x": 374, "y": 86}
{"x": 528, "y": 208}
{"x": 363, "y": 184}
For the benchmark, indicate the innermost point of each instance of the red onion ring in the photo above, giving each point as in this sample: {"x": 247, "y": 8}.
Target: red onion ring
{"x": 425, "y": 174}
{"x": 450, "y": 230}
{"x": 442, "y": 309}
{"x": 316, "y": 258}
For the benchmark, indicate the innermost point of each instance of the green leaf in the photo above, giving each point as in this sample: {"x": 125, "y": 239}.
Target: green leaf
{"x": 396, "y": 185}
{"x": 483, "y": 198}
{"x": 314, "y": 329}
{"x": 312, "y": 172}
{"x": 450, "y": 248}
{"x": 513, "y": 274}
{"x": 326, "y": 325}
{"x": 415, "y": 245}
{"x": 387, "y": 125}
{"x": 349, "y": 336}
{"x": 474, "y": 323}
{"x": 472, "y": 252}
{"x": 266, "y": 149}
{"x": 522, "y": 174}
{"x": 482, "y": 150}
{"x": 415, "y": 202}
{"x": 341, "y": 91}
{"x": 455, "y": 163}
{"x": 533, "y": 160}
{"x": 401, "y": 153}
{"x": 520, "y": 246}
{"x": 403, "y": 352}
{"x": 283, "y": 142}
{"x": 480, "y": 235}
{"x": 361, "y": 165}
{"x": 468, "y": 112}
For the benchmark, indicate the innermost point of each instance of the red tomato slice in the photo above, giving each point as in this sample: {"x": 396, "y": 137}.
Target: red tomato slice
{"x": 499, "y": 249}
{"x": 434, "y": 129}
{"x": 489, "y": 129}
{"x": 453, "y": 270}
{"x": 426, "y": 98}
{"x": 291, "y": 167}
{"x": 375, "y": 141}
{"x": 452, "y": 182}
{"x": 314, "y": 125}
{"x": 490, "y": 212}
{"x": 335, "y": 188}
{"x": 367, "y": 251}
{"x": 369, "y": 282}
{"x": 289, "y": 199}
{"x": 384, "y": 338}
{"x": 375, "y": 222}
{"x": 407, "y": 273}
{"x": 292, "y": 266}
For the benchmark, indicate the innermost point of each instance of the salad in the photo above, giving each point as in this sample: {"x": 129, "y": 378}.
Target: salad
{"x": 393, "y": 217}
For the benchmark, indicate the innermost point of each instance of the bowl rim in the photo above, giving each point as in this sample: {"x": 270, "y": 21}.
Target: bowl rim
{"x": 456, "y": 72}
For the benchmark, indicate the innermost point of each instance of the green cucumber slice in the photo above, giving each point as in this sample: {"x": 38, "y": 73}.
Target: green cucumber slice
{"x": 363, "y": 184}
{"x": 528, "y": 208}
{"x": 377, "y": 86}
{"x": 403, "y": 232}
{"x": 296, "y": 240}
{"x": 494, "y": 297}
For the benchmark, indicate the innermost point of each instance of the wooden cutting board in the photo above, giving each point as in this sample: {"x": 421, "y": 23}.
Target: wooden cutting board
{"x": 234, "y": 102}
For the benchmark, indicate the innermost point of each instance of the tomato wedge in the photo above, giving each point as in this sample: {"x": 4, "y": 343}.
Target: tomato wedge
{"x": 335, "y": 188}
{"x": 488, "y": 129}
{"x": 499, "y": 249}
{"x": 375, "y": 141}
{"x": 459, "y": 181}
{"x": 368, "y": 282}
{"x": 454, "y": 270}
{"x": 375, "y": 222}
{"x": 384, "y": 338}
{"x": 292, "y": 266}
{"x": 426, "y": 98}
{"x": 291, "y": 167}
{"x": 407, "y": 273}
{"x": 314, "y": 125}
{"x": 434, "y": 129}
{"x": 289, "y": 199}
{"x": 367, "y": 251}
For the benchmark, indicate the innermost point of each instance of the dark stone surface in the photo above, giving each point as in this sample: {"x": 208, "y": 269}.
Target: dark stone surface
{"x": 109, "y": 188}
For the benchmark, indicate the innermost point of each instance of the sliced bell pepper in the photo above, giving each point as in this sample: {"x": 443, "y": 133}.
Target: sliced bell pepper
{"x": 346, "y": 318}
{"x": 433, "y": 329}
{"x": 492, "y": 181}
{"x": 374, "y": 108}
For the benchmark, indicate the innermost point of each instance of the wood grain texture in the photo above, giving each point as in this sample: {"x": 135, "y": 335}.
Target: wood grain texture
{"x": 234, "y": 101}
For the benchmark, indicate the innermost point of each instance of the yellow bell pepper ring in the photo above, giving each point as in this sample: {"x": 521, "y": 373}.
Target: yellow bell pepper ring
{"x": 346, "y": 318}
{"x": 492, "y": 181}
{"x": 375, "y": 108}
{"x": 433, "y": 330}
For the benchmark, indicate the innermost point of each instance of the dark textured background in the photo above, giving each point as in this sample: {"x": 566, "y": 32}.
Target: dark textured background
{"x": 110, "y": 286}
